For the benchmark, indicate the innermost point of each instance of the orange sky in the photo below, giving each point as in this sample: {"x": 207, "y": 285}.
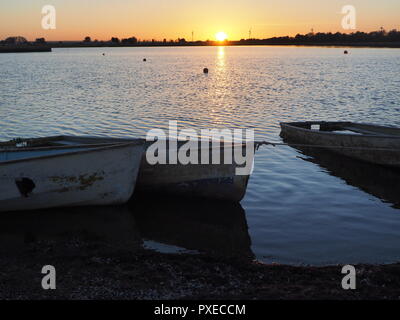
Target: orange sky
{"x": 172, "y": 19}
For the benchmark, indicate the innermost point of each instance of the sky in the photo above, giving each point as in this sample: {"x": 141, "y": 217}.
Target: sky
{"x": 172, "y": 19}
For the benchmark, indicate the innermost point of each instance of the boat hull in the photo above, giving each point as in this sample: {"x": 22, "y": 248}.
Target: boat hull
{"x": 380, "y": 148}
{"x": 200, "y": 181}
{"x": 211, "y": 181}
{"x": 98, "y": 176}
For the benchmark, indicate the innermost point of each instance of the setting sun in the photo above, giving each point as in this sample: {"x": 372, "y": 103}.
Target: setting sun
{"x": 221, "y": 36}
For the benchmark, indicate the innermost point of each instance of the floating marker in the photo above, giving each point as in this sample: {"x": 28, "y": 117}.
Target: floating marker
{"x": 346, "y": 52}
{"x": 205, "y": 70}
{"x": 144, "y": 60}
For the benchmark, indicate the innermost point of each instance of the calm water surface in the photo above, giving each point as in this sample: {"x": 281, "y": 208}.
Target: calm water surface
{"x": 299, "y": 209}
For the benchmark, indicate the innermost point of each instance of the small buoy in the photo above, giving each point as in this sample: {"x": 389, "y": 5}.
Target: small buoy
{"x": 205, "y": 70}
{"x": 144, "y": 60}
{"x": 104, "y": 54}
{"x": 346, "y": 52}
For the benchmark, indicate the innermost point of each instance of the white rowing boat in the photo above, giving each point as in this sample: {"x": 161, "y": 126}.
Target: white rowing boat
{"x": 41, "y": 173}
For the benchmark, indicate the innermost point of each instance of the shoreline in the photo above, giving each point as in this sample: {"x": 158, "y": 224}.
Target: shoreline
{"x": 87, "y": 270}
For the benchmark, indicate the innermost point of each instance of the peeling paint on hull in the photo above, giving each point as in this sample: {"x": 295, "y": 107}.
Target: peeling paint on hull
{"x": 229, "y": 189}
{"x": 98, "y": 176}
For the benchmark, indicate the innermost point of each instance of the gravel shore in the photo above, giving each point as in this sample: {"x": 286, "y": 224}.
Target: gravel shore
{"x": 86, "y": 270}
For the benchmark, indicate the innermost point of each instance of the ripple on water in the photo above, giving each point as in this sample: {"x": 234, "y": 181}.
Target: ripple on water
{"x": 296, "y": 211}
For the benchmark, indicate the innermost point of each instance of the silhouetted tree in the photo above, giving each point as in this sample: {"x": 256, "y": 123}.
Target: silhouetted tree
{"x": 16, "y": 40}
{"x": 132, "y": 40}
{"x": 355, "y": 37}
{"x": 40, "y": 41}
{"x": 394, "y": 35}
{"x": 87, "y": 39}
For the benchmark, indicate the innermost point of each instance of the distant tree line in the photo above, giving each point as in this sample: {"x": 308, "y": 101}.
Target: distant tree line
{"x": 310, "y": 38}
{"x": 132, "y": 41}
{"x": 356, "y": 37}
{"x": 18, "y": 41}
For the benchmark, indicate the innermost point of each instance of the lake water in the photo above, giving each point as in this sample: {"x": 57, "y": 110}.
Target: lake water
{"x": 299, "y": 209}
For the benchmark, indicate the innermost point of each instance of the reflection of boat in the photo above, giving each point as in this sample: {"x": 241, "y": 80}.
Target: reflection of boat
{"x": 371, "y": 143}
{"x": 38, "y": 174}
{"x": 382, "y": 182}
{"x": 217, "y": 228}
{"x": 96, "y": 228}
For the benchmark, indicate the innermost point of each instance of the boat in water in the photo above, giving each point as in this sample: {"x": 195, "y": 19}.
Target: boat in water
{"x": 67, "y": 171}
{"x": 366, "y": 142}
{"x": 218, "y": 181}
{"x": 210, "y": 181}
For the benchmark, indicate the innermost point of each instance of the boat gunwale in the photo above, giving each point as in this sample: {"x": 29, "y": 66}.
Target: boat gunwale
{"x": 292, "y": 125}
{"x": 61, "y": 147}
{"x": 110, "y": 140}
{"x": 11, "y": 143}
{"x": 93, "y": 148}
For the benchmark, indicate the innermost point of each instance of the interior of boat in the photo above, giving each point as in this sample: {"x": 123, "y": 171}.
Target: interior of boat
{"x": 8, "y": 155}
{"x": 31, "y": 148}
{"x": 348, "y": 128}
{"x": 57, "y": 141}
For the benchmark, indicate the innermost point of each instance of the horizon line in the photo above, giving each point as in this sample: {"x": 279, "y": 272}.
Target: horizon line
{"x": 209, "y": 40}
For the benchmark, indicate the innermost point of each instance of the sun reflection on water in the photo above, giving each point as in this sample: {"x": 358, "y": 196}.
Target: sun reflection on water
{"x": 221, "y": 57}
